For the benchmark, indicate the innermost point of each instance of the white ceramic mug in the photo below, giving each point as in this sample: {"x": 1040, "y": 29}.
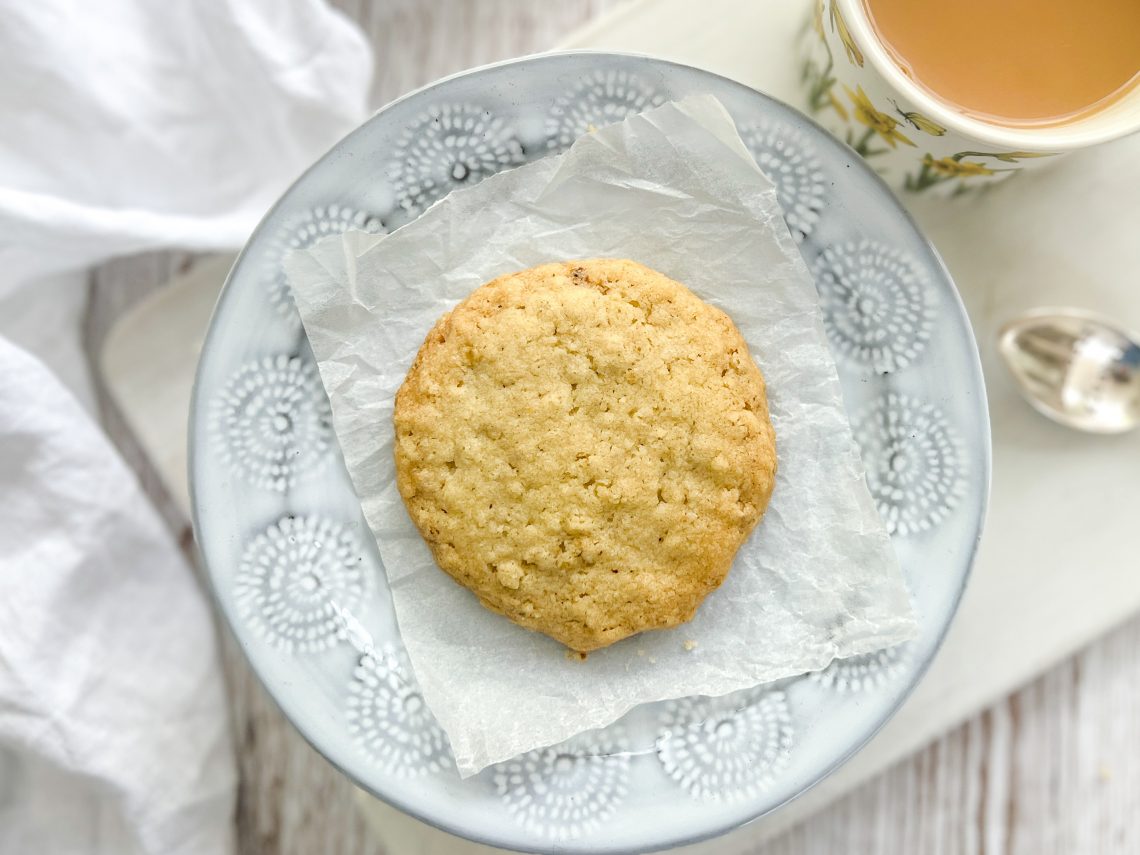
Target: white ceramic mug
{"x": 917, "y": 142}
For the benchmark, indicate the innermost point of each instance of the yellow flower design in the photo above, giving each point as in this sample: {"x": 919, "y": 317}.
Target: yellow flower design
{"x": 840, "y": 27}
{"x": 879, "y": 122}
{"x": 924, "y": 124}
{"x": 1014, "y": 156}
{"x": 836, "y": 105}
{"x": 951, "y": 168}
{"x": 919, "y": 122}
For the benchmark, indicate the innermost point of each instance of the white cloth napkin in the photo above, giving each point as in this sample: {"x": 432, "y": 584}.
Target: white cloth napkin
{"x": 113, "y": 731}
{"x": 127, "y": 125}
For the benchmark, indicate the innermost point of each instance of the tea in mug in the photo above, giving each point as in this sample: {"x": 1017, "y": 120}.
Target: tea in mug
{"x": 1016, "y": 62}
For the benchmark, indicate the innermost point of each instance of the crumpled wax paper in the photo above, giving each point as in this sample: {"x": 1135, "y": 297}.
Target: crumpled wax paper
{"x": 676, "y": 189}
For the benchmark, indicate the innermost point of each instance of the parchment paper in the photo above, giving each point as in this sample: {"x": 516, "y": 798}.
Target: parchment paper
{"x": 676, "y": 189}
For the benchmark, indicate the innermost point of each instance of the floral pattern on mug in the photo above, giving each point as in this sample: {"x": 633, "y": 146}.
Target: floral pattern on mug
{"x": 819, "y": 77}
{"x": 918, "y": 121}
{"x": 839, "y": 27}
{"x": 877, "y": 122}
{"x": 934, "y": 171}
{"x": 857, "y": 104}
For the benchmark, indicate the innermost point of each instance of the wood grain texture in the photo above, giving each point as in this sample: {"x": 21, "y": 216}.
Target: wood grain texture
{"x": 113, "y": 289}
{"x": 1052, "y": 769}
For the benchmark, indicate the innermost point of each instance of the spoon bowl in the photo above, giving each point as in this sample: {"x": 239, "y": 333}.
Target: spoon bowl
{"x": 1078, "y": 368}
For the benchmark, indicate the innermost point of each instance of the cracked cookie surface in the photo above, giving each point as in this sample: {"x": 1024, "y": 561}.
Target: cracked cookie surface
{"x": 585, "y": 446}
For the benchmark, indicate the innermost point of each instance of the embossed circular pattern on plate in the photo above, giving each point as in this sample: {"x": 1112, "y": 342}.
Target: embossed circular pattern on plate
{"x": 725, "y": 748}
{"x": 449, "y": 146}
{"x": 602, "y": 98}
{"x": 875, "y": 304}
{"x": 272, "y": 422}
{"x": 913, "y": 460}
{"x": 294, "y": 580}
{"x": 789, "y": 160}
{"x": 566, "y": 790}
{"x": 389, "y": 719}
{"x": 308, "y": 599}
{"x": 867, "y": 672}
{"x": 320, "y": 222}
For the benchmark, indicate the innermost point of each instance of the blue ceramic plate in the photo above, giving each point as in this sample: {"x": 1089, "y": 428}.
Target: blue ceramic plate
{"x": 298, "y": 577}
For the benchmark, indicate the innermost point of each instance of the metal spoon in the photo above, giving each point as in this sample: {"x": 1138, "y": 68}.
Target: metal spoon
{"x": 1075, "y": 367}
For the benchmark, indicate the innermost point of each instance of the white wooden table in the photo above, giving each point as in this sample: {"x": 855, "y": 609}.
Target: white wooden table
{"x": 1055, "y": 768}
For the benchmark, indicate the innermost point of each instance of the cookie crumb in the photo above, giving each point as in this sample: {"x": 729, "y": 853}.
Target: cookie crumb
{"x": 576, "y": 655}
{"x": 690, "y": 644}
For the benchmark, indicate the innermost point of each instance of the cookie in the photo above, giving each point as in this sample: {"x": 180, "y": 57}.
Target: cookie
{"x": 585, "y": 446}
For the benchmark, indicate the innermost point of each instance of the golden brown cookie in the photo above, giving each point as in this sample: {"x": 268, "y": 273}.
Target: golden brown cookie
{"x": 585, "y": 445}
